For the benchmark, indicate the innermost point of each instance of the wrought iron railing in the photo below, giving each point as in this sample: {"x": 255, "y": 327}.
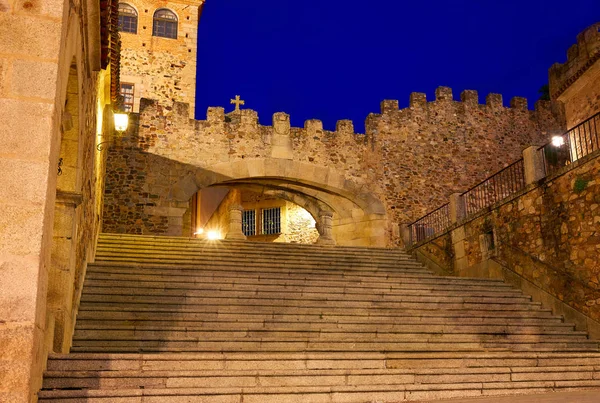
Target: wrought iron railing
{"x": 578, "y": 142}
{"x": 431, "y": 224}
{"x": 497, "y": 187}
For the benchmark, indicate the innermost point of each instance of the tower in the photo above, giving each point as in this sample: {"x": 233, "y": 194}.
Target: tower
{"x": 158, "y": 55}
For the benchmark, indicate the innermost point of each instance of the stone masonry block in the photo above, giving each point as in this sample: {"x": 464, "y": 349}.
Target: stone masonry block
{"x": 36, "y": 132}
{"x": 519, "y": 103}
{"x": 25, "y": 182}
{"x": 21, "y": 228}
{"x": 18, "y": 288}
{"x": 313, "y": 127}
{"x": 256, "y": 168}
{"x": 29, "y": 36}
{"x": 389, "y": 105}
{"x": 345, "y": 126}
{"x": 418, "y": 99}
{"x": 34, "y": 79}
{"x": 469, "y": 97}
{"x": 458, "y": 235}
{"x": 214, "y": 114}
{"x": 494, "y": 100}
{"x": 16, "y": 354}
{"x": 443, "y": 94}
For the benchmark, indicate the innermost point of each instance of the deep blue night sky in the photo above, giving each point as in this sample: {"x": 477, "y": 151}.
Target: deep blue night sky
{"x": 338, "y": 59}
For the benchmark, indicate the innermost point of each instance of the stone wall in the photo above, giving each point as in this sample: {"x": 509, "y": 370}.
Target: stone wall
{"x": 50, "y": 81}
{"x": 300, "y": 225}
{"x": 576, "y": 82}
{"x": 546, "y": 238}
{"x": 219, "y": 221}
{"x": 433, "y": 149}
{"x": 409, "y": 161}
{"x": 161, "y": 68}
{"x": 138, "y": 192}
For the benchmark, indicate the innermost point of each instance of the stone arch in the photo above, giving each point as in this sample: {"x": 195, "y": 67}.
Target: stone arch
{"x": 359, "y": 218}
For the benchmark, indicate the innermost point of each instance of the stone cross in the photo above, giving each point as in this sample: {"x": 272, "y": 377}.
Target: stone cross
{"x": 237, "y": 102}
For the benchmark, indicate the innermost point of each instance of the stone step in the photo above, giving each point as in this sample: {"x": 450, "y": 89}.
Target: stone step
{"x": 356, "y": 377}
{"x": 105, "y": 281}
{"x": 280, "y": 309}
{"x": 279, "y": 265}
{"x": 127, "y": 288}
{"x": 169, "y": 334}
{"x": 296, "y": 270}
{"x": 408, "y": 302}
{"x": 250, "y": 253}
{"x": 252, "y": 322}
{"x": 434, "y": 361}
{"x": 314, "y": 394}
{"x": 201, "y": 275}
{"x": 428, "y": 318}
{"x": 123, "y": 239}
{"x": 136, "y": 295}
{"x": 424, "y": 344}
{"x": 167, "y": 255}
{"x": 366, "y": 327}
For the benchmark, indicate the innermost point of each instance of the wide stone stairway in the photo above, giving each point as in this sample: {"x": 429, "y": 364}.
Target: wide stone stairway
{"x": 186, "y": 320}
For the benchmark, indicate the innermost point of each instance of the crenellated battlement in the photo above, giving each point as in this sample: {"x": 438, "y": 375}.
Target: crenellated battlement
{"x": 412, "y": 158}
{"x": 580, "y": 57}
{"x": 468, "y": 99}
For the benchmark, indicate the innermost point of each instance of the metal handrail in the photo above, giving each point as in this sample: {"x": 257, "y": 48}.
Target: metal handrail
{"x": 430, "y": 224}
{"x": 491, "y": 190}
{"x": 514, "y": 181}
{"x": 576, "y": 145}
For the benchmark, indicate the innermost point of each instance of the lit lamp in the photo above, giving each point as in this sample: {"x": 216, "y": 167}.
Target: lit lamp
{"x": 558, "y": 141}
{"x": 121, "y": 120}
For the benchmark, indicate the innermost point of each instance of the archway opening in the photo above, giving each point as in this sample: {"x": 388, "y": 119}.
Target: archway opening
{"x": 268, "y": 215}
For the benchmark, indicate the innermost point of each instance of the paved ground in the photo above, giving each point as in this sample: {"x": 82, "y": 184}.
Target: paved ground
{"x": 590, "y": 396}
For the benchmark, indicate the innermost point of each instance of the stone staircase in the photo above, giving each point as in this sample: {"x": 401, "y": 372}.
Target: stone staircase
{"x": 185, "y": 320}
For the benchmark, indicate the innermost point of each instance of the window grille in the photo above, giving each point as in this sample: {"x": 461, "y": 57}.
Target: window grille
{"x": 128, "y": 18}
{"x": 165, "y": 24}
{"x": 127, "y": 91}
{"x": 271, "y": 221}
{"x": 249, "y": 222}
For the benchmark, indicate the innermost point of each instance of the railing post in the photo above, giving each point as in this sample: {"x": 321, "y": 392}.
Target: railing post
{"x": 405, "y": 235}
{"x": 534, "y": 165}
{"x": 457, "y": 208}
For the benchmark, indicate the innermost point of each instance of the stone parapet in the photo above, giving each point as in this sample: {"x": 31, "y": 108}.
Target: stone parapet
{"x": 580, "y": 57}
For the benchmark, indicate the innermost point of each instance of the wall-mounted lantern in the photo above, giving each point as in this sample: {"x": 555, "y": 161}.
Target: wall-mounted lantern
{"x": 121, "y": 122}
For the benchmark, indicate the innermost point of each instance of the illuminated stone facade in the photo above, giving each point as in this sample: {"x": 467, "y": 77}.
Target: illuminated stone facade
{"x": 58, "y": 76}
{"x": 409, "y": 161}
{"x": 158, "y": 67}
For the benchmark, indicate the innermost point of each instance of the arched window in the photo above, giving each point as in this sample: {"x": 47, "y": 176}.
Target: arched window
{"x": 128, "y": 18}
{"x": 165, "y": 24}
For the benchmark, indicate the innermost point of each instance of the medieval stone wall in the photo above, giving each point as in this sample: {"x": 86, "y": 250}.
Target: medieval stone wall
{"x": 411, "y": 159}
{"x": 162, "y": 68}
{"x": 433, "y": 149}
{"x": 576, "y": 83}
{"x": 548, "y": 236}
